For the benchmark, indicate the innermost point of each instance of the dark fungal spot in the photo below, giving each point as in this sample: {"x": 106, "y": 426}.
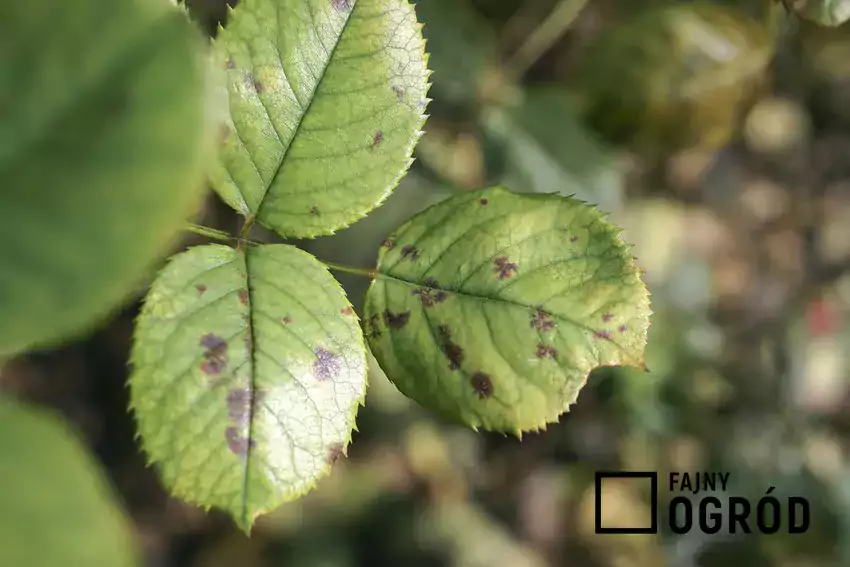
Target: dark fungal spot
{"x": 431, "y": 282}
{"x": 482, "y": 384}
{"x": 341, "y": 5}
{"x": 409, "y": 250}
{"x": 542, "y": 321}
{"x": 377, "y": 138}
{"x": 371, "y": 327}
{"x": 388, "y": 243}
{"x": 544, "y": 351}
{"x": 242, "y": 403}
{"x": 237, "y": 442}
{"x": 607, "y": 317}
{"x": 286, "y": 320}
{"x": 215, "y": 355}
{"x": 603, "y": 334}
{"x": 201, "y": 289}
{"x": 399, "y": 92}
{"x": 243, "y": 296}
{"x": 333, "y": 452}
{"x": 451, "y": 349}
{"x": 483, "y": 201}
{"x": 622, "y": 329}
{"x": 504, "y": 268}
{"x": 258, "y": 86}
{"x": 573, "y": 238}
{"x": 396, "y": 320}
{"x": 315, "y": 211}
{"x": 326, "y": 365}
{"x": 428, "y": 297}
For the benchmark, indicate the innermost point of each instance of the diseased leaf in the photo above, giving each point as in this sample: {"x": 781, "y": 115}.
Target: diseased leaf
{"x": 326, "y": 101}
{"x": 493, "y": 307}
{"x": 101, "y": 146}
{"x": 830, "y": 13}
{"x": 249, "y": 367}
{"x": 56, "y": 509}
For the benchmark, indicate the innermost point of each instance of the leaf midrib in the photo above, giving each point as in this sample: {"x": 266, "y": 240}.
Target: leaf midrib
{"x": 305, "y": 109}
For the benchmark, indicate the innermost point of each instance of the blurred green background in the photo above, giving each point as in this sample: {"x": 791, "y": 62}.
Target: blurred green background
{"x": 718, "y": 135}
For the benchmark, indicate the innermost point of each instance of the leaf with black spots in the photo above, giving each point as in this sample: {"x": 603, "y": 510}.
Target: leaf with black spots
{"x": 535, "y": 292}
{"x": 326, "y": 101}
{"x": 242, "y": 392}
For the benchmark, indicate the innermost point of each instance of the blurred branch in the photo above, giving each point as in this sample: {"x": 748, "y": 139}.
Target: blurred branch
{"x": 544, "y": 37}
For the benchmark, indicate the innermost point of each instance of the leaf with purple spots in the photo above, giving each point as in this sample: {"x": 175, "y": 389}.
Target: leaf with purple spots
{"x": 323, "y": 98}
{"x": 256, "y": 377}
{"x": 528, "y": 317}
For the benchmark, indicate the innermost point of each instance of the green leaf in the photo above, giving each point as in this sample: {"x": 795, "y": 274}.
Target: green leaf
{"x": 548, "y": 147}
{"x": 326, "y": 102}
{"x": 830, "y": 13}
{"x": 492, "y": 307}
{"x": 101, "y": 156}
{"x": 249, "y": 367}
{"x": 56, "y": 509}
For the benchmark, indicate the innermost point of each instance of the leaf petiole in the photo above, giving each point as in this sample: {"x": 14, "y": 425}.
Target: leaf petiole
{"x": 364, "y": 272}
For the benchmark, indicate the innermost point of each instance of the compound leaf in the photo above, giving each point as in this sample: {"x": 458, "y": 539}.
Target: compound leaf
{"x": 101, "y": 155}
{"x": 249, "y": 367}
{"x": 326, "y": 102}
{"x": 491, "y": 308}
{"x": 56, "y": 509}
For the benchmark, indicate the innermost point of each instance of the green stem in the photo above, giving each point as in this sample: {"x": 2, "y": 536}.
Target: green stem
{"x": 364, "y": 272}
{"x": 210, "y": 232}
{"x": 544, "y": 37}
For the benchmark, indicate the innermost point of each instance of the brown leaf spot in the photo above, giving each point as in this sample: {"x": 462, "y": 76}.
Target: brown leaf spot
{"x": 241, "y": 405}
{"x": 603, "y": 334}
{"x": 573, "y": 238}
{"x": 544, "y": 351}
{"x": 346, "y": 311}
{"x": 243, "y": 296}
{"x": 396, "y": 320}
{"x": 333, "y": 452}
{"x": 315, "y": 211}
{"x": 428, "y": 297}
{"x": 341, "y": 5}
{"x": 215, "y": 356}
{"x": 622, "y": 328}
{"x": 542, "y": 321}
{"x": 607, "y": 317}
{"x": 388, "y": 243}
{"x": 399, "y": 92}
{"x": 236, "y": 442}
{"x": 409, "y": 250}
{"x": 451, "y": 349}
{"x": 504, "y": 268}
{"x": 483, "y": 201}
{"x": 482, "y": 384}
{"x": 377, "y": 139}
{"x": 258, "y": 86}
{"x": 201, "y": 289}
{"x": 326, "y": 365}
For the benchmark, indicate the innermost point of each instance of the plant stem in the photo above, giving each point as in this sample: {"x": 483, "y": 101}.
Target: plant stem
{"x": 210, "y": 232}
{"x": 544, "y": 37}
{"x": 364, "y": 272}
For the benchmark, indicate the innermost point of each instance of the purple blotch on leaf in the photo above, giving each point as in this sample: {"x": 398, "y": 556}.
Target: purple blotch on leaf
{"x": 341, "y": 5}
{"x": 607, "y": 317}
{"x": 326, "y": 365}
{"x": 544, "y": 351}
{"x": 409, "y": 250}
{"x": 346, "y": 311}
{"x": 333, "y": 452}
{"x": 428, "y": 297}
{"x": 377, "y": 138}
{"x": 542, "y": 321}
{"x": 215, "y": 355}
{"x": 396, "y": 320}
{"x": 451, "y": 349}
{"x": 399, "y": 92}
{"x": 504, "y": 268}
{"x": 603, "y": 334}
{"x": 482, "y": 384}
{"x": 237, "y": 442}
{"x": 622, "y": 328}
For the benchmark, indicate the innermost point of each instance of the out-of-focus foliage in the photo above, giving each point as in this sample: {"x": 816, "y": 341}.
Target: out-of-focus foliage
{"x": 830, "y": 13}
{"x": 101, "y": 155}
{"x": 674, "y": 77}
{"x": 55, "y": 508}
